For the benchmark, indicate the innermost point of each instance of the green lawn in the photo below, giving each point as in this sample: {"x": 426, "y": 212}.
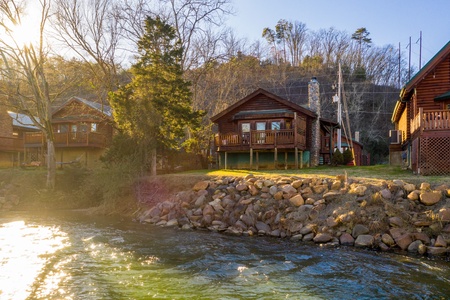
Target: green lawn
{"x": 377, "y": 172}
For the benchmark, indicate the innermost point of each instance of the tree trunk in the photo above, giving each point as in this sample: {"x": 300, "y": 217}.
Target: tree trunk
{"x": 51, "y": 164}
{"x": 153, "y": 164}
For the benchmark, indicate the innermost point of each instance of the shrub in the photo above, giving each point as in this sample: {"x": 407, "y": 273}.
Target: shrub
{"x": 347, "y": 156}
{"x": 337, "y": 158}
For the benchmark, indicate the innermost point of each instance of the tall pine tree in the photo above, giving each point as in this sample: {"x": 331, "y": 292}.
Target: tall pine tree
{"x": 155, "y": 108}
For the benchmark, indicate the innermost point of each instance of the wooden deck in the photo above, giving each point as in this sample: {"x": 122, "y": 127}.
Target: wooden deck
{"x": 67, "y": 139}
{"x": 260, "y": 139}
{"x": 437, "y": 121}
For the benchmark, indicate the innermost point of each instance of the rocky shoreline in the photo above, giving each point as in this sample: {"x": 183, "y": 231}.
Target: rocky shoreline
{"x": 391, "y": 216}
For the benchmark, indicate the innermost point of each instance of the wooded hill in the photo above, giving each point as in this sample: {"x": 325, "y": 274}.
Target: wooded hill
{"x": 369, "y": 105}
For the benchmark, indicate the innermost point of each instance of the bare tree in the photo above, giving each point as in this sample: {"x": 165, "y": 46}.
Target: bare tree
{"x": 91, "y": 31}
{"x": 27, "y": 85}
{"x": 190, "y": 17}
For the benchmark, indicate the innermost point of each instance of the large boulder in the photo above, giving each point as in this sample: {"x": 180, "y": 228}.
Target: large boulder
{"x": 346, "y": 239}
{"x": 359, "y": 229}
{"x": 322, "y": 238}
{"x": 364, "y": 240}
{"x": 201, "y": 185}
{"x": 297, "y": 200}
{"x": 430, "y": 198}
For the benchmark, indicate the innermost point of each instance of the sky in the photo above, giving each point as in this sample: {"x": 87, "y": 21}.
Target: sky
{"x": 389, "y": 22}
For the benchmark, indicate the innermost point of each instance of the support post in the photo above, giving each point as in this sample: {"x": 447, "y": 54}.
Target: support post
{"x": 296, "y": 158}
{"x": 285, "y": 160}
{"x": 257, "y": 160}
{"x": 275, "y": 158}
{"x": 251, "y": 158}
{"x": 226, "y": 160}
{"x": 301, "y": 159}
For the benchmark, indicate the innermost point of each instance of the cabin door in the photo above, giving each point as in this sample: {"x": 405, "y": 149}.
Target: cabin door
{"x": 245, "y": 133}
{"x": 260, "y": 132}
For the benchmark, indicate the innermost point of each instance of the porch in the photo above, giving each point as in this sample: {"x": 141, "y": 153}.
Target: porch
{"x": 260, "y": 139}
{"x": 430, "y": 136}
{"x": 431, "y": 120}
{"x": 67, "y": 139}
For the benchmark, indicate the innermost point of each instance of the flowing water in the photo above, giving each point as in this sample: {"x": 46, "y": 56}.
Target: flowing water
{"x": 72, "y": 256}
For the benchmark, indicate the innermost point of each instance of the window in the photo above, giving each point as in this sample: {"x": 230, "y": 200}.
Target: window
{"x": 62, "y": 128}
{"x": 245, "y": 127}
{"x": 73, "y": 128}
{"x": 260, "y": 136}
{"x": 288, "y": 124}
{"x": 83, "y": 127}
{"x": 275, "y": 125}
{"x": 260, "y": 125}
{"x": 93, "y": 127}
{"x": 245, "y": 133}
{"x": 448, "y": 106}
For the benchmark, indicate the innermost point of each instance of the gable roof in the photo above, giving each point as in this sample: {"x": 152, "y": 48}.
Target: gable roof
{"x": 416, "y": 79}
{"x": 428, "y": 68}
{"x": 104, "y": 109}
{"x": 267, "y": 94}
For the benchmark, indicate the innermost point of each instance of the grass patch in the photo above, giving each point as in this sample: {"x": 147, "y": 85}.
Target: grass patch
{"x": 371, "y": 173}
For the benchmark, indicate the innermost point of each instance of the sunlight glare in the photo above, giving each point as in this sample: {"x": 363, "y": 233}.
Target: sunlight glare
{"x": 24, "y": 251}
{"x": 26, "y": 33}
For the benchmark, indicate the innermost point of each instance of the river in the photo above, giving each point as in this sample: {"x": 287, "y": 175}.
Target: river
{"x": 74, "y": 256}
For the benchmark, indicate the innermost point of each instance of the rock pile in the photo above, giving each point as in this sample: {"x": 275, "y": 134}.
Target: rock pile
{"x": 330, "y": 211}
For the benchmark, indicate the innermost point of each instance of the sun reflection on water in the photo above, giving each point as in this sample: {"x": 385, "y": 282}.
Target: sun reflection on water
{"x": 25, "y": 250}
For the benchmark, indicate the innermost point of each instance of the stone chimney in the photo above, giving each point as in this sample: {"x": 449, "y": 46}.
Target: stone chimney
{"x": 314, "y": 105}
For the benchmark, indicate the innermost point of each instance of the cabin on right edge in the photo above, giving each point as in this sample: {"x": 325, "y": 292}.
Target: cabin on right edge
{"x": 421, "y": 139}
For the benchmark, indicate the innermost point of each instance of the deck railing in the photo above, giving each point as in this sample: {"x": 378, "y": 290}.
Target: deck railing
{"x": 431, "y": 120}
{"x": 11, "y": 144}
{"x": 260, "y": 138}
{"x": 67, "y": 139}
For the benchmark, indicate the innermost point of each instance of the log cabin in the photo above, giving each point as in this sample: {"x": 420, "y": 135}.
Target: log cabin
{"x": 82, "y": 131}
{"x": 421, "y": 139}
{"x": 263, "y": 130}
{"x": 12, "y": 129}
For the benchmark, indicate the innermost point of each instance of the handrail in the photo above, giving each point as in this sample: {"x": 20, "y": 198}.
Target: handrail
{"x": 259, "y": 138}
{"x": 431, "y": 120}
{"x": 67, "y": 138}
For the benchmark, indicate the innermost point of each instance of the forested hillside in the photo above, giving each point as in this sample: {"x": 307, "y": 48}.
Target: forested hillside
{"x": 88, "y": 49}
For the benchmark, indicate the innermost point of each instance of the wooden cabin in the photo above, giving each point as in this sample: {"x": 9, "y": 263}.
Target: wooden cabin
{"x": 421, "y": 139}
{"x": 12, "y": 129}
{"x": 263, "y": 130}
{"x": 82, "y": 131}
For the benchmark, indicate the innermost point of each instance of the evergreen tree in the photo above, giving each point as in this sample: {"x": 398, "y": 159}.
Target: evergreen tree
{"x": 155, "y": 108}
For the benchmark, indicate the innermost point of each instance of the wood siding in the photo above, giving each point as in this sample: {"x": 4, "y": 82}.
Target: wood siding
{"x": 426, "y": 120}
{"x": 434, "y": 84}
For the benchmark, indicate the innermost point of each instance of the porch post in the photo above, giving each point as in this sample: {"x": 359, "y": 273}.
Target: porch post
{"x": 285, "y": 160}
{"x": 226, "y": 160}
{"x": 421, "y": 123}
{"x": 257, "y": 160}
{"x": 275, "y": 158}
{"x": 301, "y": 159}
{"x": 219, "y": 158}
{"x": 251, "y": 158}
{"x": 296, "y": 157}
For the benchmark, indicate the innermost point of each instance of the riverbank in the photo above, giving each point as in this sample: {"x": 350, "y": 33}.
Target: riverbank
{"x": 387, "y": 215}
{"x": 322, "y": 205}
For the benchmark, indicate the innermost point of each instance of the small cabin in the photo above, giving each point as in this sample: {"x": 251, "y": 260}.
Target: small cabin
{"x": 82, "y": 130}
{"x": 263, "y": 130}
{"x": 421, "y": 138}
{"x": 12, "y": 129}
